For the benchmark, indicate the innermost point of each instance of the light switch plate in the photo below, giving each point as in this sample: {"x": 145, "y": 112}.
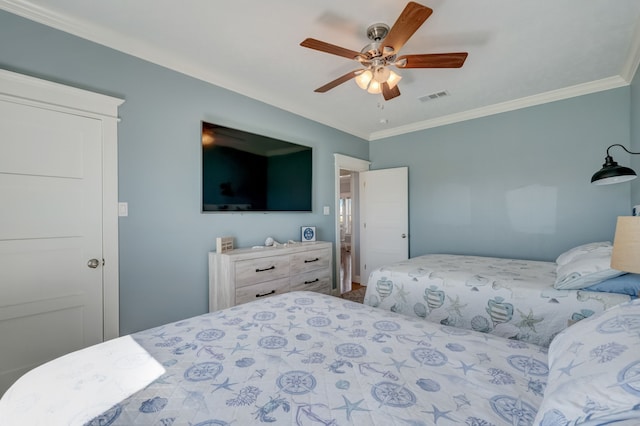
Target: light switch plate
{"x": 123, "y": 209}
{"x": 327, "y": 211}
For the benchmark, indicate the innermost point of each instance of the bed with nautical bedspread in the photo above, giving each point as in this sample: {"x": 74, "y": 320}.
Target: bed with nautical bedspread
{"x": 531, "y": 301}
{"x": 304, "y": 358}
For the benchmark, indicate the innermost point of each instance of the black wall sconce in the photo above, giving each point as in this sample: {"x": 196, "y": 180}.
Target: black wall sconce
{"x": 611, "y": 172}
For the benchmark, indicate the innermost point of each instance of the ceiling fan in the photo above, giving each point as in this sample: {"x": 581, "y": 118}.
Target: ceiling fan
{"x": 377, "y": 56}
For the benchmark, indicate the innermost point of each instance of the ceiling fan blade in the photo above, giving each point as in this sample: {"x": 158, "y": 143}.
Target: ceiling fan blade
{"x": 411, "y": 18}
{"x": 388, "y": 92}
{"x": 432, "y": 60}
{"x": 322, "y": 46}
{"x": 338, "y": 81}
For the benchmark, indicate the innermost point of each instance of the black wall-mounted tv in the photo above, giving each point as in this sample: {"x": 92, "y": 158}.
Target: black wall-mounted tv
{"x": 245, "y": 172}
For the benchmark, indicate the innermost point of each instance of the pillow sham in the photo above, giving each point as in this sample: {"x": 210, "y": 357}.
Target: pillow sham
{"x": 624, "y": 284}
{"x": 594, "y": 370}
{"x": 585, "y": 270}
{"x": 570, "y": 254}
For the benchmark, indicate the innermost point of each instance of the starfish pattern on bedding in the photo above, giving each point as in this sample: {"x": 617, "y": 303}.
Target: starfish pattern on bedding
{"x": 224, "y": 385}
{"x": 401, "y": 293}
{"x": 528, "y": 320}
{"x": 429, "y": 336}
{"x": 456, "y": 305}
{"x": 294, "y": 351}
{"x": 351, "y": 407}
{"x": 465, "y": 368}
{"x": 437, "y": 414}
{"x": 567, "y": 370}
{"x": 293, "y": 325}
{"x": 399, "y": 364}
{"x": 239, "y": 347}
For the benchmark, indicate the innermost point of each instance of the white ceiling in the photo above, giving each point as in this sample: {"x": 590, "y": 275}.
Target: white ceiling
{"x": 521, "y": 52}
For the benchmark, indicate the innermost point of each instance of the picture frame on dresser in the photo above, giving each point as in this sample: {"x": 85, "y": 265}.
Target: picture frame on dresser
{"x": 307, "y": 234}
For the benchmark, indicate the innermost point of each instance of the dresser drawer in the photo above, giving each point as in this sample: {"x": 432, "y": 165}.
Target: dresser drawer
{"x": 318, "y": 281}
{"x": 261, "y": 290}
{"x": 254, "y": 271}
{"x": 310, "y": 260}
{"x": 248, "y": 274}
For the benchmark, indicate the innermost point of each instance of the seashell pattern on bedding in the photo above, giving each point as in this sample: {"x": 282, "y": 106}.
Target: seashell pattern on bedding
{"x": 511, "y": 298}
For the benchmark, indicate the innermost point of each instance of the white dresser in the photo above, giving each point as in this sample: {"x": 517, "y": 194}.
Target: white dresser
{"x": 243, "y": 275}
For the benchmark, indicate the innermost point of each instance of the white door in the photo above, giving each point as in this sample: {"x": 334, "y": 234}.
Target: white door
{"x": 384, "y": 218}
{"x": 51, "y": 302}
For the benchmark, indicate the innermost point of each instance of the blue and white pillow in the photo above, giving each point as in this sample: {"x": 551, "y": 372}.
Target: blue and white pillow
{"x": 594, "y": 371}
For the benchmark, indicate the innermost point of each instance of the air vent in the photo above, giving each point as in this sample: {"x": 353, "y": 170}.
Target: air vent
{"x": 433, "y": 96}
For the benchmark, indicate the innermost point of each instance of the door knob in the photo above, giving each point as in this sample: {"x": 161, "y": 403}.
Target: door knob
{"x": 93, "y": 263}
{"x": 404, "y": 235}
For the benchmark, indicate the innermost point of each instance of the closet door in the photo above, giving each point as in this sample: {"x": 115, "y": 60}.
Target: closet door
{"x": 51, "y": 283}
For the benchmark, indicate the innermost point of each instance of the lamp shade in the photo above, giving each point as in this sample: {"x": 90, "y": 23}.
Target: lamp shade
{"x": 611, "y": 172}
{"x": 626, "y": 245}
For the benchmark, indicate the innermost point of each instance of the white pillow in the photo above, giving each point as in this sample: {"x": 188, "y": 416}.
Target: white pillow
{"x": 594, "y": 370}
{"x": 570, "y": 254}
{"x": 585, "y": 270}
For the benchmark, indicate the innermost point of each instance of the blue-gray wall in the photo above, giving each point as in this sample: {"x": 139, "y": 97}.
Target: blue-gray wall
{"x": 635, "y": 137}
{"x": 165, "y": 239}
{"x": 516, "y": 184}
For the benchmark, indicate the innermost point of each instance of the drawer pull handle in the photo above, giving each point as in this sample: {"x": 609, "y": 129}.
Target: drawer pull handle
{"x": 312, "y": 281}
{"x": 312, "y": 260}
{"x": 265, "y": 269}
{"x": 266, "y": 294}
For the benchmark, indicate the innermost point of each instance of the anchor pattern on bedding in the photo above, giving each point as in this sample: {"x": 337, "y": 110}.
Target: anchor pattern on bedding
{"x": 309, "y": 359}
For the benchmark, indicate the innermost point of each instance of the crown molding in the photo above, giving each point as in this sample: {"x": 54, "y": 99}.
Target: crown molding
{"x": 539, "y": 99}
{"x": 633, "y": 58}
{"x": 111, "y": 39}
{"x": 116, "y": 41}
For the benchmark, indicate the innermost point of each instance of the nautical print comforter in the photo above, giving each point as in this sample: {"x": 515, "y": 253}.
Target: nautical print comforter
{"x": 299, "y": 358}
{"x": 506, "y": 297}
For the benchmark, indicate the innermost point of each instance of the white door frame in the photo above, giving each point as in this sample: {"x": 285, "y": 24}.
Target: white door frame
{"x": 347, "y": 163}
{"x": 32, "y": 91}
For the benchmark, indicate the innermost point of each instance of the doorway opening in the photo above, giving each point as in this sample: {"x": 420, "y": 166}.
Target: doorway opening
{"x": 347, "y": 224}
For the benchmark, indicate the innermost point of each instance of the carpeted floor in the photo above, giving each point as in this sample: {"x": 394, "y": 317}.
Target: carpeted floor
{"x": 355, "y": 295}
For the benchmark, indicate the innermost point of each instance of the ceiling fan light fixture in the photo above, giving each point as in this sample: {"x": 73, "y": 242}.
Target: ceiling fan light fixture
{"x": 386, "y": 43}
{"x": 364, "y": 79}
{"x": 381, "y": 74}
{"x": 371, "y": 81}
{"x": 375, "y": 87}
{"x": 393, "y": 79}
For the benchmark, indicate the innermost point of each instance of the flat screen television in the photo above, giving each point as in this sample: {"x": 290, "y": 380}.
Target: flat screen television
{"x": 245, "y": 172}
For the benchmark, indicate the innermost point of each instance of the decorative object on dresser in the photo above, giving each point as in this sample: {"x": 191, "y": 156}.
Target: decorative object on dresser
{"x": 224, "y": 244}
{"x": 243, "y": 275}
{"x": 308, "y": 233}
